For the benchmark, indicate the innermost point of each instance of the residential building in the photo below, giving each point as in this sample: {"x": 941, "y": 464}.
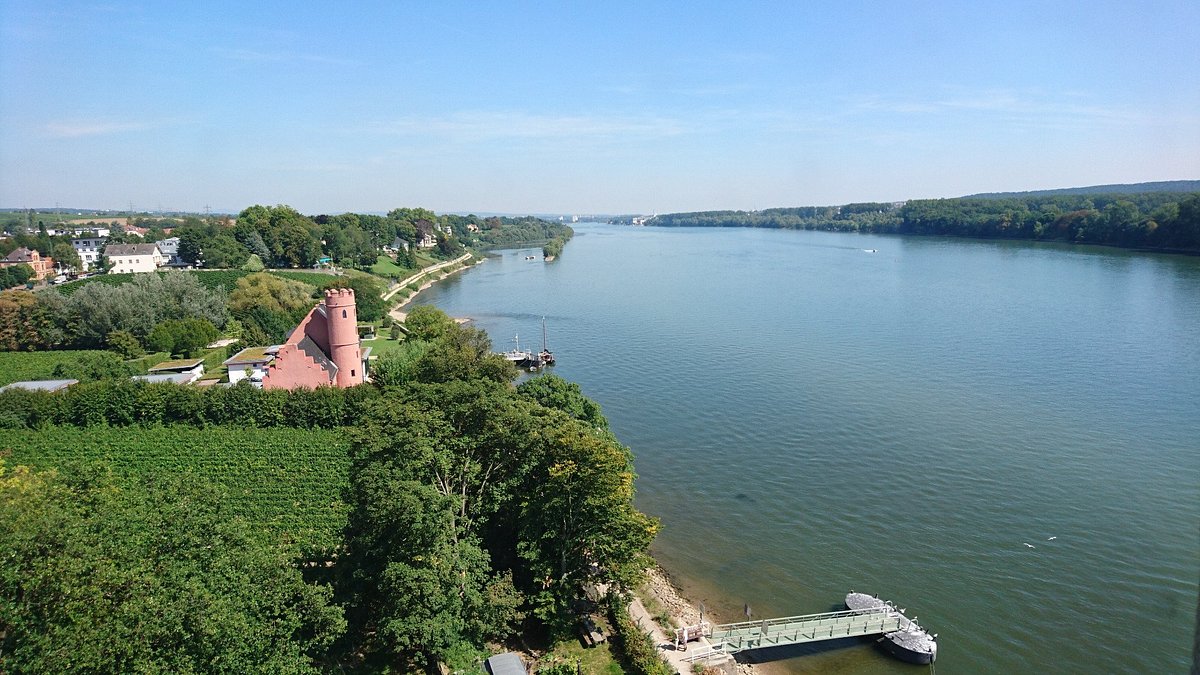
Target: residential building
{"x": 323, "y": 350}
{"x": 135, "y": 258}
{"x": 40, "y": 385}
{"x": 251, "y": 364}
{"x": 43, "y": 266}
{"x": 89, "y": 248}
{"x": 182, "y": 371}
{"x": 169, "y": 248}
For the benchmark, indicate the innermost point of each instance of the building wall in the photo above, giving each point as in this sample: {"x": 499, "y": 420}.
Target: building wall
{"x": 134, "y": 263}
{"x": 342, "y": 317}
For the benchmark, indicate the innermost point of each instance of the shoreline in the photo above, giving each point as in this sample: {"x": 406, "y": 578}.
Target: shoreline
{"x": 661, "y": 589}
{"x": 398, "y": 312}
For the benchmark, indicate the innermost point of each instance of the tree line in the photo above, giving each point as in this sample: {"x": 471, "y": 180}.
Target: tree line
{"x": 281, "y": 237}
{"x": 172, "y": 311}
{"x": 1152, "y": 220}
{"x": 478, "y": 510}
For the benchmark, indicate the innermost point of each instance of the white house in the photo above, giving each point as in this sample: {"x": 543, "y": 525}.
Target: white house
{"x": 250, "y": 363}
{"x": 189, "y": 370}
{"x": 169, "y": 248}
{"x": 89, "y": 249}
{"x": 133, "y": 257}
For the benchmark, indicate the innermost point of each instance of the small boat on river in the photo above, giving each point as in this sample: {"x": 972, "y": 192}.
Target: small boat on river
{"x": 911, "y": 643}
{"x": 526, "y": 359}
{"x": 546, "y": 356}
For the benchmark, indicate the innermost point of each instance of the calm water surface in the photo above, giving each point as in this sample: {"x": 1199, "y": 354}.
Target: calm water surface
{"x": 809, "y": 417}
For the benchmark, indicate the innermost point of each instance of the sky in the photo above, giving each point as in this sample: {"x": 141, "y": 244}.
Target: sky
{"x": 600, "y": 107}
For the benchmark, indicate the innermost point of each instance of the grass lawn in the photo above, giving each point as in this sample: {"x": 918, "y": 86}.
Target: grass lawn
{"x": 21, "y": 366}
{"x": 386, "y": 267}
{"x": 599, "y": 659}
{"x": 382, "y": 345}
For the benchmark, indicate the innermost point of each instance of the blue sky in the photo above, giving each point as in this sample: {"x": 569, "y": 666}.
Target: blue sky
{"x": 587, "y": 107}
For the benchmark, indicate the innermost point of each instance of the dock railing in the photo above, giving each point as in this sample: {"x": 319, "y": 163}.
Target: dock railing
{"x": 736, "y": 637}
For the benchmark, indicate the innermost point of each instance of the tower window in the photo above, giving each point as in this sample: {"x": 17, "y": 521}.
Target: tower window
{"x": 351, "y": 372}
{"x": 343, "y": 313}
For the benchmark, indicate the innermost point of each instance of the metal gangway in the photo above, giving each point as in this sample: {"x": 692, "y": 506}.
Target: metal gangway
{"x": 732, "y": 638}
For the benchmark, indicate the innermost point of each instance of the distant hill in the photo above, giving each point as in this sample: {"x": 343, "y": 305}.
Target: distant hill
{"x": 1115, "y": 189}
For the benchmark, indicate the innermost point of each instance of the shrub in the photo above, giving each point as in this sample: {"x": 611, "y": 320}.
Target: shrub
{"x": 125, "y": 344}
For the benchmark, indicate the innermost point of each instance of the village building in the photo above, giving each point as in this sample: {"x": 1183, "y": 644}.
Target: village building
{"x": 43, "y": 266}
{"x": 180, "y": 371}
{"x": 169, "y": 248}
{"x": 90, "y": 249}
{"x": 250, "y": 364}
{"x": 323, "y": 350}
{"x": 40, "y": 385}
{"x": 135, "y": 258}
{"x": 426, "y": 234}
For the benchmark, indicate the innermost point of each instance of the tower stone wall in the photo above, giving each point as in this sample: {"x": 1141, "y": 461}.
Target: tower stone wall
{"x": 342, "y": 320}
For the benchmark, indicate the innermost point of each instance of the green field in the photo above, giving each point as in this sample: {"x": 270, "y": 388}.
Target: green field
{"x": 21, "y": 366}
{"x": 286, "y": 481}
{"x": 386, "y": 267}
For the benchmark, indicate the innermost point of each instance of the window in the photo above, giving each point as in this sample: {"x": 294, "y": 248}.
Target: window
{"x": 343, "y": 313}
{"x": 351, "y": 372}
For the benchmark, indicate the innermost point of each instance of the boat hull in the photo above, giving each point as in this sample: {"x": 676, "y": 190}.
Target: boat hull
{"x": 911, "y": 643}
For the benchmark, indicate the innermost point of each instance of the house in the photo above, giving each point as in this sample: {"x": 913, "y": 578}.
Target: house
{"x": 426, "y": 234}
{"x": 323, "y": 350}
{"x": 89, "y": 249}
{"x": 133, "y": 258}
{"x": 40, "y": 385}
{"x": 174, "y": 378}
{"x": 43, "y": 266}
{"x": 398, "y": 244}
{"x": 191, "y": 369}
{"x": 250, "y": 364}
{"x": 169, "y": 248}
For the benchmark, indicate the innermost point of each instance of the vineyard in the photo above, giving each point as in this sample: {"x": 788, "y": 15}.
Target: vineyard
{"x": 286, "y": 481}
{"x": 21, "y": 366}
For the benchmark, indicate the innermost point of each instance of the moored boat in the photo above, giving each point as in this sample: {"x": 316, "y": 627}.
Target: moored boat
{"x": 911, "y": 643}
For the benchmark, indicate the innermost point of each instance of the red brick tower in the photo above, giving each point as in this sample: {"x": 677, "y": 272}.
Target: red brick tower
{"x": 343, "y": 336}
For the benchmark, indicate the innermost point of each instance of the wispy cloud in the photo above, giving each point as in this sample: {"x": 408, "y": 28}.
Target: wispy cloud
{"x": 82, "y": 128}
{"x": 257, "y": 56}
{"x": 1031, "y": 108}
{"x": 478, "y": 126}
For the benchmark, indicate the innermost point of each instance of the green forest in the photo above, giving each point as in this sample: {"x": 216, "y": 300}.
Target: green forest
{"x": 422, "y": 519}
{"x": 1151, "y": 220}
{"x": 281, "y": 237}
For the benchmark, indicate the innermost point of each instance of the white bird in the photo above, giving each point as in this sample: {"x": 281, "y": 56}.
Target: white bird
{"x": 1052, "y": 538}
{"x": 1028, "y": 544}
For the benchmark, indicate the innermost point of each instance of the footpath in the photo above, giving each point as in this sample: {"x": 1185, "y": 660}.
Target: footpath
{"x": 425, "y": 274}
{"x": 682, "y": 613}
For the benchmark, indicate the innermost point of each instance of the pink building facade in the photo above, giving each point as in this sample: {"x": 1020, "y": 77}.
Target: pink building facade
{"x": 323, "y": 350}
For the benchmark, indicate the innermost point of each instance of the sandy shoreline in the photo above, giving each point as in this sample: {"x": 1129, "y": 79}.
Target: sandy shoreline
{"x": 660, "y": 589}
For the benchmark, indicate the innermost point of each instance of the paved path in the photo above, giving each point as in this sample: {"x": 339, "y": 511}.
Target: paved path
{"x": 424, "y": 271}
{"x": 666, "y": 644}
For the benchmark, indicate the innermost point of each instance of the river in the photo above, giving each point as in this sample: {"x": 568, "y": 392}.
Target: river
{"x": 814, "y": 412}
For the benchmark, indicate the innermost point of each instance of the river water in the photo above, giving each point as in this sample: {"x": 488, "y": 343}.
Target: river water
{"x": 810, "y": 417}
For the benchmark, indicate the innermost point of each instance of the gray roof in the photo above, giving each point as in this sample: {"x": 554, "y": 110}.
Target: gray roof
{"x": 19, "y": 255}
{"x": 177, "y": 378}
{"x": 130, "y": 249}
{"x": 40, "y": 385}
{"x": 507, "y": 663}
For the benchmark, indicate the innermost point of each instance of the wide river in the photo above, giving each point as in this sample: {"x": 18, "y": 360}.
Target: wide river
{"x": 812, "y": 413}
